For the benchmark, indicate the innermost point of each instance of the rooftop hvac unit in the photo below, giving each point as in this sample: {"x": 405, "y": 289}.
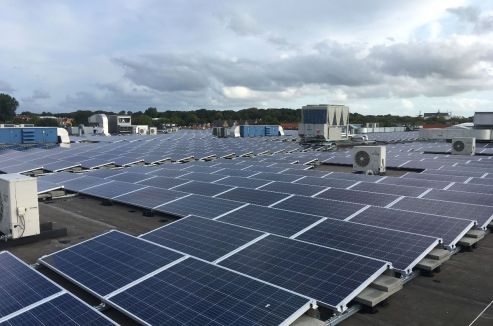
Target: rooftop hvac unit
{"x": 369, "y": 159}
{"x": 464, "y": 146}
{"x": 19, "y": 214}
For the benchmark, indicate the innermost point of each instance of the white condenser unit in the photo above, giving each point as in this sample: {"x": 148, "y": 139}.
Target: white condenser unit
{"x": 19, "y": 214}
{"x": 369, "y": 159}
{"x": 464, "y": 146}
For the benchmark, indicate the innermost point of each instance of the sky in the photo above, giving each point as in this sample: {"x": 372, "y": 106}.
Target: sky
{"x": 377, "y": 57}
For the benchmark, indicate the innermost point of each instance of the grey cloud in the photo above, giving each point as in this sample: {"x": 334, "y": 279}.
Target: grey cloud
{"x": 484, "y": 25}
{"x": 5, "y": 87}
{"x": 243, "y": 24}
{"x": 467, "y": 13}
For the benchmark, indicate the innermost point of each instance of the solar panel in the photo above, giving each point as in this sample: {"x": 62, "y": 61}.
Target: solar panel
{"x": 62, "y": 310}
{"x": 437, "y": 177}
{"x": 58, "y": 165}
{"x": 149, "y": 197}
{"x": 321, "y": 207}
{"x": 331, "y": 277}
{"x": 415, "y": 182}
{"x": 84, "y": 182}
{"x": 482, "y": 214}
{"x": 293, "y": 188}
{"x": 111, "y": 189}
{"x": 104, "y": 173}
{"x": 243, "y": 182}
{"x": 477, "y": 188}
{"x": 400, "y": 190}
{"x": 163, "y": 182}
{"x": 108, "y": 262}
{"x": 235, "y": 172}
{"x": 259, "y": 197}
{"x": 353, "y": 176}
{"x": 203, "y": 206}
{"x": 403, "y": 250}
{"x": 482, "y": 181}
{"x": 60, "y": 177}
{"x": 45, "y": 186}
{"x": 460, "y": 197}
{"x": 277, "y": 177}
{"x": 129, "y": 177}
{"x": 202, "y": 188}
{"x": 449, "y": 172}
{"x": 276, "y": 221}
{"x": 193, "y": 292}
{"x": 449, "y": 229}
{"x": 165, "y": 172}
{"x": 201, "y": 237}
{"x": 20, "y": 285}
{"x": 336, "y": 183}
{"x": 203, "y": 177}
{"x": 360, "y": 197}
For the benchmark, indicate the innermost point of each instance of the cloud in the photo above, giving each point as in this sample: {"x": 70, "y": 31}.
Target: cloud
{"x": 243, "y": 24}
{"x": 467, "y": 13}
{"x": 5, "y": 87}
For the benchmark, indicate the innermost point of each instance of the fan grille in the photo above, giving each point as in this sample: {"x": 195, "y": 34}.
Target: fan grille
{"x": 459, "y": 146}
{"x": 362, "y": 158}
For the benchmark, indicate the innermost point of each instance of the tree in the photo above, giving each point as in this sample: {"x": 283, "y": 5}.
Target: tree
{"x": 141, "y": 119}
{"x": 8, "y": 105}
{"x": 152, "y": 112}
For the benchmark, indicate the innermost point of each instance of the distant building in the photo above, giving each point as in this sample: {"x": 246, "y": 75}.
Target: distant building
{"x": 437, "y": 115}
{"x": 119, "y": 124}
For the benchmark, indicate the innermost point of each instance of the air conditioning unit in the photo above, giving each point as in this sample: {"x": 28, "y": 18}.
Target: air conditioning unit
{"x": 19, "y": 214}
{"x": 464, "y": 146}
{"x": 152, "y": 131}
{"x": 369, "y": 159}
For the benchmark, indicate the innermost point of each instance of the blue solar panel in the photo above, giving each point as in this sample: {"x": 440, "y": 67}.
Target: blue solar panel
{"x": 60, "y": 177}
{"x": 111, "y": 189}
{"x": 415, "y": 182}
{"x": 105, "y": 263}
{"x": 45, "y": 186}
{"x": 477, "y": 188}
{"x": 199, "y": 205}
{"x": 329, "y": 276}
{"x": 322, "y": 207}
{"x": 235, "y": 172}
{"x": 293, "y": 188}
{"x": 437, "y": 177}
{"x": 20, "y": 285}
{"x": 202, "y": 188}
{"x": 461, "y": 197}
{"x": 149, "y": 197}
{"x": 129, "y": 177}
{"x": 243, "y": 182}
{"x": 62, "y": 310}
{"x": 84, "y": 182}
{"x": 360, "y": 197}
{"x": 336, "y": 183}
{"x": 400, "y": 190}
{"x": 204, "y": 177}
{"x": 193, "y": 292}
{"x": 403, "y": 250}
{"x": 482, "y": 214}
{"x": 259, "y": 197}
{"x": 163, "y": 182}
{"x": 104, "y": 173}
{"x": 277, "y": 177}
{"x": 448, "y": 228}
{"x": 201, "y": 237}
{"x": 270, "y": 220}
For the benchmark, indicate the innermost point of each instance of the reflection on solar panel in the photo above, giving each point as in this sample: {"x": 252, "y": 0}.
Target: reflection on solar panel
{"x": 293, "y": 188}
{"x": 336, "y": 183}
{"x": 322, "y": 207}
{"x": 62, "y": 310}
{"x": 163, "y": 182}
{"x": 242, "y": 182}
{"x": 196, "y": 293}
{"x": 360, "y": 197}
{"x": 105, "y": 263}
{"x": 259, "y": 197}
{"x": 111, "y": 189}
{"x": 235, "y": 172}
{"x": 329, "y": 276}
{"x": 169, "y": 173}
{"x": 270, "y": 220}
{"x": 403, "y": 250}
{"x": 20, "y": 285}
{"x": 390, "y": 189}
{"x": 149, "y": 197}
{"x": 482, "y": 214}
{"x": 449, "y": 229}
{"x": 60, "y": 177}
{"x": 202, "y": 188}
{"x": 201, "y": 237}
{"x": 104, "y": 173}
{"x": 461, "y": 197}
{"x": 199, "y": 205}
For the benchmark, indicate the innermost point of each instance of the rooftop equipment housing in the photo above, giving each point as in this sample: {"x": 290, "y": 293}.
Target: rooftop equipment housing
{"x": 369, "y": 159}
{"x": 19, "y": 214}
{"x": 464, "y": 146}
{"x": 323, "y": 122}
